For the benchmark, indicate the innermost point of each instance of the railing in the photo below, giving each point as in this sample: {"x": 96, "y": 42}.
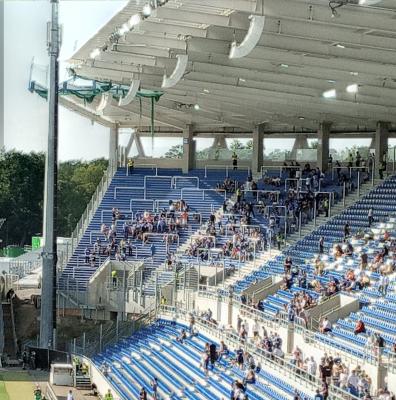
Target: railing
{"x": 140, "y": 200}
{"x": 280, "y": 168}
{"x": 203, "y": 192}
{"x": 175, "y": 178}
{"x": 91, "y": 208}
{"x": 259, "y": 191}
{"x": 118, "y": 188}
{"x": 226, "y": 167}
{"x": 282, "y": 366}
{"x": 154, "y": 167}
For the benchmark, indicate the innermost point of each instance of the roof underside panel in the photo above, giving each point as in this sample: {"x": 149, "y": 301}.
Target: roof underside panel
{"x": 303, "y": 51}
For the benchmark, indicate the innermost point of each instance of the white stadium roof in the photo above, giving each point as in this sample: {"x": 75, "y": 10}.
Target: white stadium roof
{"x": 303, "y": 52}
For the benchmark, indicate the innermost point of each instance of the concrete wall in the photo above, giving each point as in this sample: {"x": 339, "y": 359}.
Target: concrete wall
{"x": 262, "y": 289}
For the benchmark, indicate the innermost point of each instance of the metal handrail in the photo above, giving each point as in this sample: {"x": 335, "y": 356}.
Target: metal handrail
{"x": 279, "y": 364}
{"x": 140, "y": 165}
{"x": 175, "y": 178}
{"x": 140, "y": 200}
{"x": 91, "y": 208}
{"x": 203, "y": 192}
{"x": 127, "y": 188}
{"x": 258, "y": 191}
{"x": 281, "y": 168}
{"x": 213, "y": 166}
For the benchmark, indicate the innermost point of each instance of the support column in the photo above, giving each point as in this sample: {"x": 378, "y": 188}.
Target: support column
{"x": 139, "y": 146}
{"x": 258, "y": 148}
{"x": 301, "y": 142}
{"x": 323, "y": 145}
{"x": 113, "y": 146}
{"x": 381, "y": 143}
{"x": 188, "y": 149}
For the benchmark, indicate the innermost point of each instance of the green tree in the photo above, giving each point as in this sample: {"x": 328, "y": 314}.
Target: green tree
{"x": 174, "y": 152}
{"x": 22, "y": 193}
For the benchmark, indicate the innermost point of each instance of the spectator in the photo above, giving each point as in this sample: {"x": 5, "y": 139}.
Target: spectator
{"x": 143, "y": 394}
{"x": 109, "y": 395}
{"x": 154, "y": 388}
{"x": 370, "y": 216}
{"x": 182, "y": 337}
{"x": 383, "y": 284}
{"x": 359, "y": 327}
{"x": 235, "y": 161}
{"x": 325, "y": 325}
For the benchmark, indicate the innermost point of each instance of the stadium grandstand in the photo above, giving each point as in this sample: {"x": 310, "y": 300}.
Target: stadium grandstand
{"x": 233, "y": 272}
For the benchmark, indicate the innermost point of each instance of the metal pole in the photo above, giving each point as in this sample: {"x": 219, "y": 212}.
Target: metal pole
{"x": 48, "y": 290}
{"x": 285, "y": 223}
{"x": 314, "y": 211}
{"x": 329, "y": 213}
{"x": 343, "y": 194}
{"x": 100, "y": 337}
{"x": 372, "y": 172}
{"x": 358, "y": 182}
{"x": 84, "y": 343}
{"x": 299, "y": 224}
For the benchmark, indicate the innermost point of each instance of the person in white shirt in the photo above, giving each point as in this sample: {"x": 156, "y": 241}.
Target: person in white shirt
{"x": 325, "y": 325}
{"x": 312, "y": 366}
{"x": 383, "y": 284}
{"x": 70, "y": 395}
{"x": 353, "y": 382}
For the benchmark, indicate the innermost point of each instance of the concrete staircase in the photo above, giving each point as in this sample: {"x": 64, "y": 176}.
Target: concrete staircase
{"x": 250, "y": 266}
{"x": 335, "y": 210}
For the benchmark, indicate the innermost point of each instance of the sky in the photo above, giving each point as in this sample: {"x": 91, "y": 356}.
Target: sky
{"x": 26, "y": 115}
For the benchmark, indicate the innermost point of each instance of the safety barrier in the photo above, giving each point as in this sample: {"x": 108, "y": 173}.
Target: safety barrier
{"x": 226, "y": 169}
{"x": 259, "y": 191}
{"x": 131, "y": 201}
{"x": 278, "y": 168}
{"x": 175, "y": 178}
{"x": 182, "y": 191}
{"x": 117, "y": 188}
{"x": 154, "y": 167}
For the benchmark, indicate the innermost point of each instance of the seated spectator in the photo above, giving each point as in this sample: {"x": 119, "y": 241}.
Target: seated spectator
{"x": 182, "y": 337}
{"x": 359, "y": 327}
{"x": 250, "y": 377}
{"x": 325, "y": 326}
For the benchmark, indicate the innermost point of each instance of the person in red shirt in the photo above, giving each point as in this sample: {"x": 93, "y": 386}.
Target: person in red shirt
{"x": 359, "y": 327}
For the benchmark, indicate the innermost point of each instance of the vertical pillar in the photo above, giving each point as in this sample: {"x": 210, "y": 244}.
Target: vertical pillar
{"x": 323, "y": 145}
{"x": 258, "y": 148}
{"x": 301, "y": 142}
{"x": 188, "y": 149}
{"x": 139, "y": 146}
{"x": 1, "y": 74}
{"x": 381, "y": 142}
{"x": 49, "y": 255}
{"x": 113, "y": 146}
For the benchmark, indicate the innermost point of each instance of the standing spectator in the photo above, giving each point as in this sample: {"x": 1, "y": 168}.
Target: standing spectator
{"x": 383, "y": 284}
{"x": 131, "y": 164}
{"x": 350, "y": 160}
{"x": 370, "y": 216}
{"x": 152, "y": 251}
{"x": 358, "y": 158}
{"x": 109, "y": 395}
{"x": 143, "y": 394}
{"x": 321, "y": 245}
{"x": 347, "y": 231}
{"x": 235, "y": 161}
{"x": 154, "y": 388}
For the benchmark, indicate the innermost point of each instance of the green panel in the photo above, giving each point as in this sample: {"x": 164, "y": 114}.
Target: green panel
{"x": 36, "y": 242}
